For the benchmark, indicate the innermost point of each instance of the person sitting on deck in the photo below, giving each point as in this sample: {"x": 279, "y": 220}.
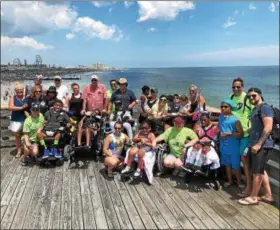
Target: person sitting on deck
{"x": 178, "y": 138}
{"x": 113, "y": 148}
{"x": 56, "y": 120}
{"x": 144, "y": 139}
{"x": 31, "y": 125}
{"x": 185, "y": 105}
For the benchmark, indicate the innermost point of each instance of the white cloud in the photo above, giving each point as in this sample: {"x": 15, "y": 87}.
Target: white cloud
{"x": 252, "y": 7}
{"x": 272, "y": 7}
{"x": 235, "y": 12}
{"x": 248, "y": 53}
{"x": 25, "y": 42}
{"x": 128, "y": 4}
{"x": 162, "y": 10}
{"x": 70, "y": 36}
{"x": 92, "y": 28}
{"x": 102, "y": 4}
{"x": 152, "y": 29}
{"x": 33, "y": 18}
{"x": 230, "y": 22}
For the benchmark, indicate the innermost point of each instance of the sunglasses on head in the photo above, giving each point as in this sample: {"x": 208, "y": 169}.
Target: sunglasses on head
{"x": 236, "y": 87}
{"x": 252, "y": 96}
{"x": 224, "y": 106}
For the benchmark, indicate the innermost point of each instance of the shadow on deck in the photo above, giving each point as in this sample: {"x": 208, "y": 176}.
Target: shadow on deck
{"x": 81, "y": 198}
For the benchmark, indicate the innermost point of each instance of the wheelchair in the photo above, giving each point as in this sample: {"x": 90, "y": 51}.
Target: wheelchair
{"x": 72, "y": 150}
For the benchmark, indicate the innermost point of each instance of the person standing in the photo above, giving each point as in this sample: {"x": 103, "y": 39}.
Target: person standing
{"x": 243, "y": 111}
{"x": 114, "y": 87}
{"x": 142, "y": 100}
{"x": 30, "y": 88}
{"x": 260, "y": 144}
{"x": 62, "y": 90}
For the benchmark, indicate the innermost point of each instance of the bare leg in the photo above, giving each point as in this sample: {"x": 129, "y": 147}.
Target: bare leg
{"x": 238, "y": 176}
{"x": 79, "y": 135}
{"x": 247, "y": 174}
{"x": 257, "y": 182}
{"x": 18, "y": 143}
{"x": 141, "y": 154}
{"x": 229, "y": 174}
{"x": 88, "y": 137}
{"x": 132, "y": 153}
{"x": 266, "y": 185}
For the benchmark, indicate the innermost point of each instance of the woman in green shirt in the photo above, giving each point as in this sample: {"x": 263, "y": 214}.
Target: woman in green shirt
{"x": 31, "y": 125}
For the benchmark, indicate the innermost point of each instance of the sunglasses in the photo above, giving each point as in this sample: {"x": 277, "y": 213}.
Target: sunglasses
{"x": 236, "y": 87}
{"x": 224, "y": 107}
{"x": 38, "y": 91}
{"x": 163, "y": 99}
{"x": 252, "y": 96}
{"x": 93, "y": 80}
{"x": 145, "y": 128}
{"x": 35, "y": 110}
{"x": 75, "y": 88}
{"x": 57, "y": 80}
{"x": 117, "y": 128}
{"x": 122, "y": 84}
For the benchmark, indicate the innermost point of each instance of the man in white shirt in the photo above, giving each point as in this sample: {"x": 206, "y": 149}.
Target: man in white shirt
{"x": 62, "y": 90}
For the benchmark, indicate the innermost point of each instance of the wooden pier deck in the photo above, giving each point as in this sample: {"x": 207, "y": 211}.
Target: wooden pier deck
{"x": 82, "y": 198}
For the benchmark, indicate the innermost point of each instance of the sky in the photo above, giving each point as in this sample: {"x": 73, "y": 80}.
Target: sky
{"x": 141, "y": 34}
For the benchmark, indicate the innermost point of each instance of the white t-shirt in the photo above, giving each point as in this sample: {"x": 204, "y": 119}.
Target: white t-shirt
{"x": 62, "y": 92}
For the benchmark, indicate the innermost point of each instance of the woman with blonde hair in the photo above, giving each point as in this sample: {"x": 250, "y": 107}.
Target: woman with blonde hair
{"x": 18, "y": 105}
{"x": 39, "y": 98}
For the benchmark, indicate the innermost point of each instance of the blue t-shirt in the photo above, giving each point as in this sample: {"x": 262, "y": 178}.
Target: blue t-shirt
{"x": 228, "y": 145}
{"x": 257, "y": 125}
{"x": 124, "y": 99}
{"x": 18, "y": 115}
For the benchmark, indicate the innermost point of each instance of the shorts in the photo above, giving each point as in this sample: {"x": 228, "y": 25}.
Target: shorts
{"x": 170, "y": 157}
{"x": 16, "y": 126}
{"x": 232, "y": 160}
{"x": 243, "y": 144}
{"x": 257, "y": 161}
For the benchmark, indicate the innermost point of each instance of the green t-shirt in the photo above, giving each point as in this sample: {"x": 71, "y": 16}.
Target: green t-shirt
{"x": 31, "y": 126}
{"x": 176, "y": 139}
{"x": 244, "y": 117}
{"x": 109, "y": 94}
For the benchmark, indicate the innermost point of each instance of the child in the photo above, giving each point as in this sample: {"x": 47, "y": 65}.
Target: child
{"x": 185, "y": 105}
{"x": 230, "y": 133}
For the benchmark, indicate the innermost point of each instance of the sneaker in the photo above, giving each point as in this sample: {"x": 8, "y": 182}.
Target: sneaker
{"x": 24, "y": 162}
{"x": 137, "y": 172}
{"x": 46, "y": 154}
{"x": 175, "y": 171}
{"x": 56, "y": 153}
{"x": 125, "y": 170}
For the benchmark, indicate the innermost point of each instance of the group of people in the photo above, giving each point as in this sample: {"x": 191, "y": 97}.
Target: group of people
{"x": 242, "y": 130}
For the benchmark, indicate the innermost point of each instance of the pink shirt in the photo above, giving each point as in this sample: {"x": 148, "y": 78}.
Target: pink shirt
{"x": 96, "y": 98}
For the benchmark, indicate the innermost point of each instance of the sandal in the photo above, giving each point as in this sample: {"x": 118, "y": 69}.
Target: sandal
{"x": 248, "y": 201}
{"x": 18, "y": 155}
{"x": 227, "y": 184}
{"x": 243, "y": 194}
{"x": 266, "y": 200}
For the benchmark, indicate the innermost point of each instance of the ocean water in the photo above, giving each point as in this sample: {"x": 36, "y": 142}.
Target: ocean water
{"x": 214, "y": 82}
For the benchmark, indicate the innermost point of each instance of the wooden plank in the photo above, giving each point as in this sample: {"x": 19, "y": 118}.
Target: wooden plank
{"x": 6, "y": 164}
{"x": 88, "y": 214}
{"x": 98, "y": 210}
{"x": 43, "y": 211}
{"x": 54, "y": 216}
{"x": 10, "y": 188}
{"x": 112, "y": 219}
{"x": 182, "y": 204}
{"x": 66, "y": 208}
{"x": 117, "y": 203}
{"x": 140, "y": 207}
{"x": 130, "y": 207}
{"x": 159, "y": 202}
{"x": 22, "y": 208}
{"x": 152, "y": 209}
{"x": 209, "y": 223}
{"x": 76, "y": 201}
{"x": 7, "y": 219}
{"x": 253, "y": 214}
{"x": 31, "y": 214}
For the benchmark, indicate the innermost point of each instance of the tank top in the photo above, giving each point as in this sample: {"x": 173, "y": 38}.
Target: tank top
{"x": 209, "y": 134}
{"x": 18, "y": 115}
{"x": 75, "y": 105}
{"x": 228, "y": 145}
{"x": 147, "y": 139}
{"x": 116, "y": 145}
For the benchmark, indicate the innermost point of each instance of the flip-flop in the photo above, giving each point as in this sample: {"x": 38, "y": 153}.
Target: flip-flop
{"x": 227, "y": 185}
{"x": 265, "y": 200}
{"x": 248, "y": 201}
{"x": 243, "y": 194}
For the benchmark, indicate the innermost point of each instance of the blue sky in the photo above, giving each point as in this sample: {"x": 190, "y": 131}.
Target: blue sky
{"x": 141, "y": 34}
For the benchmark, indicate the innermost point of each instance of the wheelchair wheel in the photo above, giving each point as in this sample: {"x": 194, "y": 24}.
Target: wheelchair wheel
{"x": 59, "y": 162}
{"x": 67, "y": 152}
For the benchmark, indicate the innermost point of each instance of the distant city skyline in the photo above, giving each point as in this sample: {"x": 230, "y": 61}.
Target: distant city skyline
{"x": 141, "y": 34}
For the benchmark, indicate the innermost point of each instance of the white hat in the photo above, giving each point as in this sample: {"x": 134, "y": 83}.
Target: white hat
{"x": 94, "y": 77}
{"x": 57, "y": 77}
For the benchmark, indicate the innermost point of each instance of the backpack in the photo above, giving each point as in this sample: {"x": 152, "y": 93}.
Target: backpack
{"x": 244, "y": 102}
{"x": 275, "y": 134}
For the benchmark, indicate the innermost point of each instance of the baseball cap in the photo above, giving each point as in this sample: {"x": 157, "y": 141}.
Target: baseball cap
{"x": 57, "y": 77}
{"x": 179, "y": 120}
{"x": 35, "y": 106}
{"x": 51, "y": 89}
{"x": 154, "y": 89}
{"x": 94, "y": 77}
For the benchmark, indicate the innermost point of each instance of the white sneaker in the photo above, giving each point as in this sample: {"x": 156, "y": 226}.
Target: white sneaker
{"x": 137, "y": 172}
{"x": 125, "y": 170}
